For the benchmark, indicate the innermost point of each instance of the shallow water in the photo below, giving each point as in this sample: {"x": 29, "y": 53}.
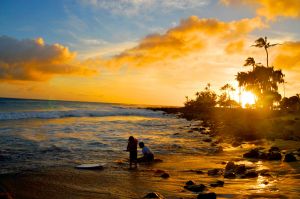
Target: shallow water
{"x": 44, "y": 137}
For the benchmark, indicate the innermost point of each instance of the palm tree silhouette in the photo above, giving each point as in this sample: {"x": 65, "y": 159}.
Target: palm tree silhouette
{"x": 250, "y": 62}
{"x": 263, "y": 43}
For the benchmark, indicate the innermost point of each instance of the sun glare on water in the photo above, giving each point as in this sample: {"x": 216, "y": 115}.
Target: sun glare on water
{"x": 247, "y": 98}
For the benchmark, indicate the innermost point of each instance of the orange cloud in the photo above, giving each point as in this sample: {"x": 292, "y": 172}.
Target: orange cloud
{"x": 191, "y": 35}
{"x": 271, "y": 8}
{"x": 288, "y": 55}
{"x": 235, "y": 47}
{"x": 34, "y": 60}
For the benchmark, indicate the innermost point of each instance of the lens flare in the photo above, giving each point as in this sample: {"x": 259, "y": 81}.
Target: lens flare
{"x": 247, "y": 98}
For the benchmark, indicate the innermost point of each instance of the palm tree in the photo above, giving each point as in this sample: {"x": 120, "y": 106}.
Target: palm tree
{"x": 250, "y": 62}
{"x": 263, "y": 43}
{"x": 228, "y": 88}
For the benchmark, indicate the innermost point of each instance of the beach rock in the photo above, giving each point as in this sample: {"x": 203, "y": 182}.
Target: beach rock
{"x": 217, "y": 149}
{"x": 230, "y": 175}
{"x": 240, "y": 169}
{"x": 251, "y": 174}
{"x": 274, "y": 148}
{"x": 165, "y": 175}
{"x": 219, "y": 183}
{"x": 236, "y": 143}
{"x": 158, "y": 171}
{"x": 208, "y": 195}
{"x": 214, "y": 172}
{"x": 190, "y": 182}
{"x": 253, "y": 153}
{"x": 207, "y": 140}
{"x": 230, "y": 166}
{"x": 199, "y": 172}
{"x": 263, "y": 155}
{"x": 154, "y": 195}
{"x": 274, "y": 155}
{"x": 157, "y": 160}
{"x": 195, "y": 188}
{"x": 290, "y": 158}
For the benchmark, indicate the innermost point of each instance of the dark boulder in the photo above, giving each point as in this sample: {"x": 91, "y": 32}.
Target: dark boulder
{"x": 289, "y": 158}
{"x": 230, "y": 175}
{"x": 214, "y": 172}
{"x": 165, "y": 175}
{"x": 251, "y": 174}
{"x": 263, "y": 155}
{"x": 230, "y": 166}
{"x": 199, "y": 172}
{"x": 207, "y": 140}
{"x": 240, "y": 169}
{"x": 274, "y": 155}
{"x": 157, "y": 160}
{"x": 274, "y": 148}
{"x": 254, "y": 153}
{"x": 154, "y": 195}
{"x": 190, "y": 182}
{"x": 208, "y": 195}
{"x": 236, "y": 143}
{"x": 195, "y": 188}
{"x": 159, "y": 171}
{"x": 219, "y": 183}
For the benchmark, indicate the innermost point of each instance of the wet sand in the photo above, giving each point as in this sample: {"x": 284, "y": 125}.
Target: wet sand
{"x": 117, "y": 181}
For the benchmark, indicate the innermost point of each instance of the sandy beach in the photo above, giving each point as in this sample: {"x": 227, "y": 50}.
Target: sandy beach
{"x": 117, "y": 181}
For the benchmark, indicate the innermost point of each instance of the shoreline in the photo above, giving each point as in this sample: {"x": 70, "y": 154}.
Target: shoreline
{"x": 272, "y": 179}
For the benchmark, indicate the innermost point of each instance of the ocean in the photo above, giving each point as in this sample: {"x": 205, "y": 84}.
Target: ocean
{"x": 46, "y": 133}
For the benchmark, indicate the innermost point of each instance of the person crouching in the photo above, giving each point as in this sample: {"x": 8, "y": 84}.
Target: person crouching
{"x": 147, "y": 154}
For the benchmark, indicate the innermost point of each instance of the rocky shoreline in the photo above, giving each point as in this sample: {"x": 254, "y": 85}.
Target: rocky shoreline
{"x": 228, "y": 169}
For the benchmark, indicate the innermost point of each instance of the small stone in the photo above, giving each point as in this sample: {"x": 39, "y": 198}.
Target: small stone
{"x": 274, "y": 155}
{"x": 236, "y": 144}
{"x": 154, "y": 195}
{"x": 195, "y": 188}
{"x": 274, "y": 148}
{"x": 159, "y": 171}
{"x": 254, "y": 153}
{"x": 208, "y": 195}
{"x": 165, "y": 175}
{"x": 290, "y": 158}
{"x": 219, "y": 183}
{"x": 240, "y": 169}
{"x": 199, "y": 172}
{"x": 230, "y": 166}
{"x": 190, "y": 182}
{"x": 230, "y": 175}
{"x": 251, "y": 174}
{"x": 207, "y": 140}
{"x": 214, "y": 172}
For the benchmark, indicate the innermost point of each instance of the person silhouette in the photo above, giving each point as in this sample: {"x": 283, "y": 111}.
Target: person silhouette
{"x": 147, "y": 153}
{"x": 132, "y": 148}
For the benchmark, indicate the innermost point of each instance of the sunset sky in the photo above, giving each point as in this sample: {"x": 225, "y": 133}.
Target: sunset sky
{"x": 140, "y": 51}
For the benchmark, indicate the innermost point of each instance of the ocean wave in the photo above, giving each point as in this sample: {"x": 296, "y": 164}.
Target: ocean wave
{"x": 77, "y": 113}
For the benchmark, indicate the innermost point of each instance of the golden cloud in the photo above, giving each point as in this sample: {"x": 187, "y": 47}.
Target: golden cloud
{"x": 235, "y": 47}
{"x": 271, "y": 8}
{"x": 34, "y": 60}
{"x": 288, "y": 55}
{"x": 191, "y": 35}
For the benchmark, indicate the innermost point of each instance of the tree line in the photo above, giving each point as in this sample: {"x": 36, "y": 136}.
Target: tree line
{"x": 261, "y": 80}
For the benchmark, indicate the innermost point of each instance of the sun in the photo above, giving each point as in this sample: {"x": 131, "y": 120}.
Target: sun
{"x": 247, "y": 98}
